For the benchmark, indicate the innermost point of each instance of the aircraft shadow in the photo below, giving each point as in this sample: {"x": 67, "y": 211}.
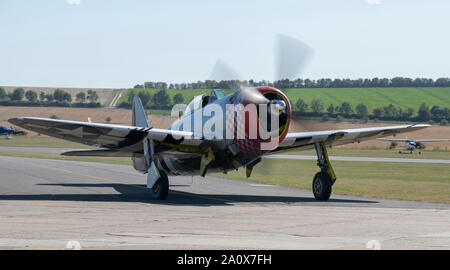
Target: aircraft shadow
{"x": 139, "y": 193}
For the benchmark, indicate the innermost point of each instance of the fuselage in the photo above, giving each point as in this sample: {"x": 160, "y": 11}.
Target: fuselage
{"x": 235, "y": 142}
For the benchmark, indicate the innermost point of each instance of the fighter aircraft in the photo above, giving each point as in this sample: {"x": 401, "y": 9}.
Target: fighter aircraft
{"x": 216, "y": 133}
{"x": 411, "y": 145}
{"x": 180, "y": 150}
{"x": 9, "y": 131}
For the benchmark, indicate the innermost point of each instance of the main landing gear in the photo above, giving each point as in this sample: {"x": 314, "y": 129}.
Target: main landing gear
{"x": 323, "y": 181}
{"x": 160, "y": 189}
{"x": 157, "y": 180}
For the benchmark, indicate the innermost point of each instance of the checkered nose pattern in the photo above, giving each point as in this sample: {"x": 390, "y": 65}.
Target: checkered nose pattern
{"x": 244, "y": 123}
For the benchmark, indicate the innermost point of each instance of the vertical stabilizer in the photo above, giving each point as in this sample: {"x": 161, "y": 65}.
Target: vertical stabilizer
{"x": 139, "y": 118}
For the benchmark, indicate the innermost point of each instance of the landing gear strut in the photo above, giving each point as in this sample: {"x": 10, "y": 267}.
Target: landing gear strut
{"x": 323, "y": 181}
{"x": 157, "y": 180}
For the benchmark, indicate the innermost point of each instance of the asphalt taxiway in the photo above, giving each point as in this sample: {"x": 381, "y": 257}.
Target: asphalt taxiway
{"x": 47, "y": 203}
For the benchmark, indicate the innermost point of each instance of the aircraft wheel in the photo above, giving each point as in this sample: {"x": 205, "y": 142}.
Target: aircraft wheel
{"x": 161, "y": 188}
{"x": 322, "y": 186}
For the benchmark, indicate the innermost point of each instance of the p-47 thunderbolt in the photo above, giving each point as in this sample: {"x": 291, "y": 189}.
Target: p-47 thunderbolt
{"x": 216, "y": 133}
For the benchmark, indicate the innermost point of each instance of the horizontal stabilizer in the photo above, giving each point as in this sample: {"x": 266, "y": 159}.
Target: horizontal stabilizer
{"x": 99, "y": 153}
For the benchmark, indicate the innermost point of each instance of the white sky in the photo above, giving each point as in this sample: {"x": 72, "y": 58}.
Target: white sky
{"x": 113, "y": 43}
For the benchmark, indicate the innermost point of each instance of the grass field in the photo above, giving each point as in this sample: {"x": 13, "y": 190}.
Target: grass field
{"x": 403, "y": 181}
{"x": 385, "y": 153}
{"x": 406, "y": 97}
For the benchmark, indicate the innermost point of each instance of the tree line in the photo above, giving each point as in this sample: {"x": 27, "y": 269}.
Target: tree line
{"x": 160, "y": 100}
{"x": 304, "y": 83}
{"x": 391, "y": 112}
{"x": 59, "y": 98}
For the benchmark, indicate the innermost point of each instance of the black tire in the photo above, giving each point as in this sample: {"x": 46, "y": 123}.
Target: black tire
{"x": 161, "y": 188}
{"x": 322, "y": 186}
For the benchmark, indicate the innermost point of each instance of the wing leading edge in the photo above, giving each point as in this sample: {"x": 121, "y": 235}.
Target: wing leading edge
{"x": 117, "y": 140}
{"x": 344, "y": 136}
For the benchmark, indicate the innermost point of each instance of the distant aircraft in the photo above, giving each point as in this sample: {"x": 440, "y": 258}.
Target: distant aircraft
{"x": 411, "y": 145}
{"x": 9, "y": 131}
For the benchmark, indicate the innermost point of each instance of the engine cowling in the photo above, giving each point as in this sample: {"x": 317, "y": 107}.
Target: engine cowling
{"x": 256, "y": 142}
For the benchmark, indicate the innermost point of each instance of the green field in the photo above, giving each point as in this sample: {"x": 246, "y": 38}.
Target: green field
{"x": 403, "y": 181}
{"x": 406, "y": 97}
{"x": 379, "y": 153}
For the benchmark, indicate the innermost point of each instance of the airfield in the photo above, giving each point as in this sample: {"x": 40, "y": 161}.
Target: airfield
{"x": 47, "y": 203}
{"x": 49, "y": 200}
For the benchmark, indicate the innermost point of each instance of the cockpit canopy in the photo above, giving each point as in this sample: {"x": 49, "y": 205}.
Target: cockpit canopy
{"x": 201, "y": 101}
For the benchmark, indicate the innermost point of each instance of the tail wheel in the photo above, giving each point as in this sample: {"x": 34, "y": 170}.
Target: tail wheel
{"x": 161, "y": 188}
{"x": 322, "y": 186}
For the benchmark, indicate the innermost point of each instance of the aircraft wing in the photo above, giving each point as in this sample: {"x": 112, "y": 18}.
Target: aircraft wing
{"x": 118, "y": 140}
{"x": 307, "y": 140}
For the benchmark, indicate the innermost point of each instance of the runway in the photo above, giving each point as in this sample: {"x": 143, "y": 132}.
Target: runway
{"x": 46, "y": 203}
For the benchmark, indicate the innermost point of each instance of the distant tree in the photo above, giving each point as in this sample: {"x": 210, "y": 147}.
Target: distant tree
{"x": 31, "y": 96}
{"x": 316, "y": 106}
{"x": 54, "y": 116}
{"x": 161, "y": 99}
{"x": 67, "y": 97}
{"x": 3, "y": 93}
{"x": 92, "y": 96}
{"x": 62, "y": 96}
{"x": 108, "y": 119}
{"x": 436, "y": 112}
{"x": 178, "y": 99}
{"x": 81, "y": 97}
{"x": 392, "y": 111}
{"x": 361, "y": 110}
{"x": 145, "y": 98}
{"x": 301, "y": 105}
{"x": 378, "y": 112}
{"x": 42, "y": 96}
{"x": 49, "y": 97}
{"x": 131, "y": 95}
{"x": 339, "y": 119}
{"x": 424, "y": 112}
{"x": 444, "y": 122}
{"x": 138, "y": 86}
{"x": 330, "y": 109}
{"x": 409, "y": 113}
{"x": 346, "y": 108}
{"x": 17, "y": 94}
